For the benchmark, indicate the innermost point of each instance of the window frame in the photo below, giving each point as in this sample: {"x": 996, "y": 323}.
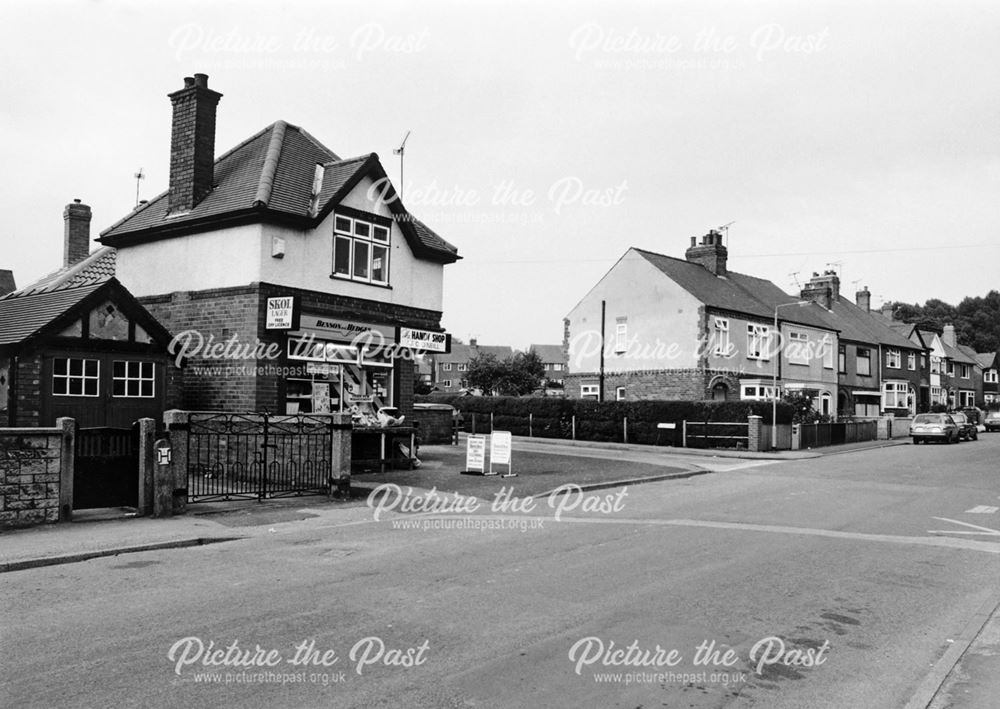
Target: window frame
{"x": 83, "y": 377}
{"x": 866, "y": 358}
{"x": 621, "y": 337}
{"x": 801, "y": 340}
{"x": 357, "y": 232}
{"x": 142, "y": 364}
{"x": 722, "y": 342}
{"x": 911, "y": 361}
{"x": 761, "y": 336}
{"x": 893, "y": 359}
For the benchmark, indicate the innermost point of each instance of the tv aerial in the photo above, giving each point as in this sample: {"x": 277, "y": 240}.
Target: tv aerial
{"x": 401, "y": 151}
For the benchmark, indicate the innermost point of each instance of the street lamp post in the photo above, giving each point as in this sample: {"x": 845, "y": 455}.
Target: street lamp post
{"x": 774, "y": 373}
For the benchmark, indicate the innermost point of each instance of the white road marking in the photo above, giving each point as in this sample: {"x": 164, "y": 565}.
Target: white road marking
{"x": 982, "y": 510}
{"x": 982, "y": 530}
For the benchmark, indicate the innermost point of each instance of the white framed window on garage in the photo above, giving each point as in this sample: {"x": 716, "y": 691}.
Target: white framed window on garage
{"x": 133, "y": 380}
{"x": 360, "y": 250}
{"x": 76, "y": 376}
{"x": 590, "y": 391}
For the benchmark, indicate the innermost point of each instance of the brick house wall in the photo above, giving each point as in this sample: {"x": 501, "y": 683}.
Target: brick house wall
{"x": 665, "y": 384}
{"x": 251, "y": 385}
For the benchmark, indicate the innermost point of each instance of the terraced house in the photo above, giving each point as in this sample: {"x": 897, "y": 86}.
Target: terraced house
{"x": 306, "y": 266}
{"x": 659, "y": 327}
{"x": 878, "y": 369}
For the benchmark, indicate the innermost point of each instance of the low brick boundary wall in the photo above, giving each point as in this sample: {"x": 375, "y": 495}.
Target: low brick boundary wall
{"x": 36, "y": 474}
{"x": 436, "y": 421}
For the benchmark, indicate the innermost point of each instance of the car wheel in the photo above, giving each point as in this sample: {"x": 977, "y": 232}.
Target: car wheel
{"x": 975, "y": 436}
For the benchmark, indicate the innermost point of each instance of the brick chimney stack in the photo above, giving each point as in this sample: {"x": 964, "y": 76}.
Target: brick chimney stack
{"x": 864, "y": 299}
{"x": 7, "y": 284}
{"x": 710, "y": 253}
{"x": 192, "y": 144}
{"x": 948, "y": 336}
{"x": 824, "y": 289}
{"x": 887, "y": 310}
{"x": 76, "y": 239}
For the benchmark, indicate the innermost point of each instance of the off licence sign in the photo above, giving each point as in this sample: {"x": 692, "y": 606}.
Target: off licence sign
{"x": 281, "y": 313}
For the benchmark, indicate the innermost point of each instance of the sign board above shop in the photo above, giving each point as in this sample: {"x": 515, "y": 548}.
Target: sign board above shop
{"x": 346, "y": 331}
{"x": 282, "y": 313}
{"x": 423, "y": 340}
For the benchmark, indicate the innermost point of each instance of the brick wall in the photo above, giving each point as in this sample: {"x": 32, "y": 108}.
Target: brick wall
{"x": 664, "y": 385}
{"x": 216, "y": 384}
{"x": 30, "y": 470}
{"x": 233, "y": 385}
{"x": 435, "y": 423}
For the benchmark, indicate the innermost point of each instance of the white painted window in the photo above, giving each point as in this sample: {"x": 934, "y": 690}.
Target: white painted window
{"x": 911, "y": 362}
{"x": 133, "y": 380}
{"x": 445, "y": 382}
{"x": 990, "y": 376}
{"x": 966, "y": 371}
{"x": 950, "y": 368}
{"x": 827, "y": 346}
{"x": 893, "y": 359}
{"x": 619, "y": 393}
{"x": 757, "y": 392}
{"x": 721, "y": 334}
{"x": 589, "y": 391}
{"x": 73, "y": 376}
{"x": 758, "y": 341}
{"x": 798, "y": 347}
{"x": 966, "y": 398}
{"x": 557, "y": 367}
{"x": 621, "y": 337}
{"x": 462, "y": 367}
{"x": 360, "y": 250}
{"x": 446, "y": 367}
{"x": 894, "y": 395}
{"x": 935, "y": 365}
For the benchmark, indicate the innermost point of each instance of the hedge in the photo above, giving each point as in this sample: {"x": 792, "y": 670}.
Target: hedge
{"x": 552, "y": 417}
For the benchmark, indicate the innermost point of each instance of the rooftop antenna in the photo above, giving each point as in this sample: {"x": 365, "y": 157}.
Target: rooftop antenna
{"x": 795, "y": 278}
{"x": 725, "y": 229}
{"x": 400, "y": 151}
{"x": 138, "y": 177}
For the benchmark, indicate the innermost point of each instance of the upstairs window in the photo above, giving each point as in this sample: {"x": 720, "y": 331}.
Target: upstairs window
{"x": 721, "y": 336}
{"x": 950, "y": 368}
{"x": 758, "y": 341}
{"x": 864, "y": 362}
{"x": 798, "y": 347}
{"x": 911, "y": 362}
{"x": 990, "y": 376}
{"x": 842, "y": 359}
{"x": 621, "y": 336}
{"x": 360, "y": 250}
{"x": 966, "y": 371}
{"x": 893, "y": 359}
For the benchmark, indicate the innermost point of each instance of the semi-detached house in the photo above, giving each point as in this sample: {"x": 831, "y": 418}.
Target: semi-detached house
{"x": 659, "y": 327}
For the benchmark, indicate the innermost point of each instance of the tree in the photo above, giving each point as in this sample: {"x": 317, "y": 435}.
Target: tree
{"x": 804, "y": 411}
{"x": 513, "y": 376}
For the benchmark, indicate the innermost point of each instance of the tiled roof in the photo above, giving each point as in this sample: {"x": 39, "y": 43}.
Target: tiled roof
{"x": 737, "y": 292}
{"x": 25, "y": 315}
{"x": 987, "y": 360}
{"x": 960, "y": 353}
{"x": 867, "y": 326}
{"x": 98, "y": 267}
{"x": 549, "y": 353}
{"x": 271, "y": 174}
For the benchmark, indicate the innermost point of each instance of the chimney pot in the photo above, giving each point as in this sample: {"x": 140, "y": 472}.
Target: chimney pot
{"x": 201, "y": 80}
{"x": 710, "y": 253}
{"x": 188, "y": 82}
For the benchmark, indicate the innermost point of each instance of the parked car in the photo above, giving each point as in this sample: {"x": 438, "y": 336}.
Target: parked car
{"x": 934, "y": 427}
{"x": 975, "y": 415}
{"x": 992, "y": 421}
{"x": 966, "y": 428}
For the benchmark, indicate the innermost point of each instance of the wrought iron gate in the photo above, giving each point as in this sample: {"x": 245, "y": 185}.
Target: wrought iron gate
{"x": 255, "y": 456}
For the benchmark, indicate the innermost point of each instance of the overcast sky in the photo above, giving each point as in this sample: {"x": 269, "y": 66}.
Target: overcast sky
{"x": 547, "y": 138}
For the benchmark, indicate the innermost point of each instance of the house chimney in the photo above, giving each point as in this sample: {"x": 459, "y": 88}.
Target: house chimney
{"x": 710, "y": 253}
{"x": 948, "y": 336}
{"x": 7, "y": 282}
{"x": 76, "y": 239}
{"x": 864, "y": 299}
{"x": 192, "y": 144}
{"x": 887, "y": 310}
{"x": 472, "y": 342}
{"x": 824, "y": 289}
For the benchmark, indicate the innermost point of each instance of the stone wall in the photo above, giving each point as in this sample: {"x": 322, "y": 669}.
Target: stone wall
{"x": 36, "y": 474}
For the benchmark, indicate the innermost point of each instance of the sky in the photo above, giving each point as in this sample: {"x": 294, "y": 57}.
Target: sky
{"x": 546, "y": 138}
